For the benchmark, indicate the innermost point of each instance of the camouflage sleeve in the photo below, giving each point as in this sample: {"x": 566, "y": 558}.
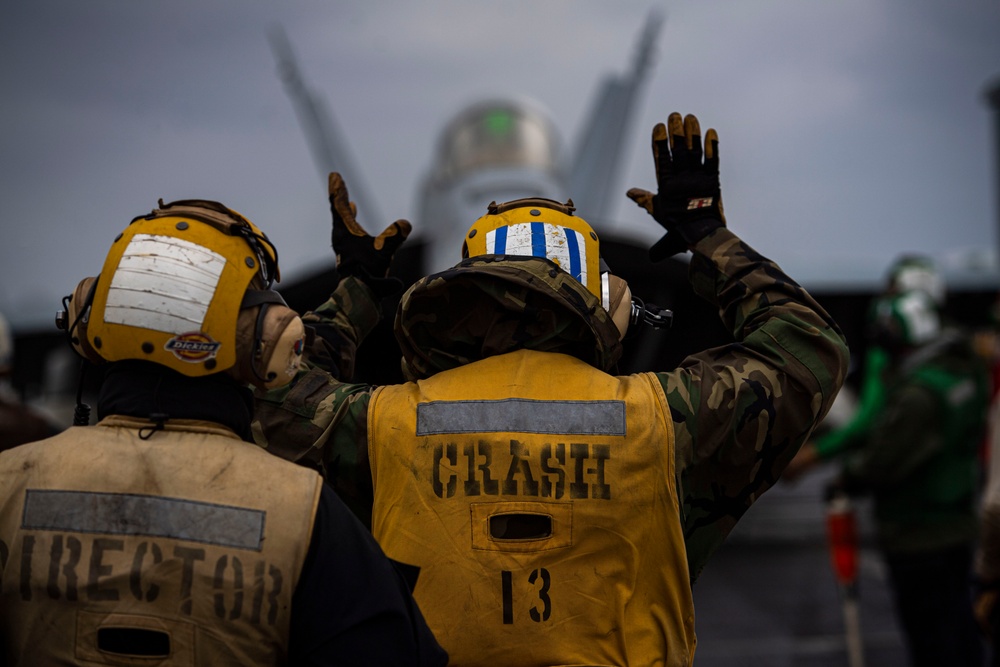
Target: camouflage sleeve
{"x": 317, "y": 420}
{"x": 340, "y": 325}
{"x": 322, "y": 423}
{"x": 741, "y": 411}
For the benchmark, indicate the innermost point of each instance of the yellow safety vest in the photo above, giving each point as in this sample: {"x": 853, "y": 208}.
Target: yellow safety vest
{"x": 183, "y": 549}
{"x": 537, "y": 495}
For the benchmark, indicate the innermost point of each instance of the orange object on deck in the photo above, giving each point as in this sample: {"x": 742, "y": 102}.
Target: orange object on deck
{"x": 842, "y": 534}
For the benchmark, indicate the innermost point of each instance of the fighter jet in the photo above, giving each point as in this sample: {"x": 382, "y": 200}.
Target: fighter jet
{"x": 504, "y": 148}
{"x": 493, "y": 150}
{"x": 497, "y": 150}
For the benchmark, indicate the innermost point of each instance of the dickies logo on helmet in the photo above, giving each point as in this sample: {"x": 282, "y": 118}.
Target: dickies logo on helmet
{"x": 193, "y": 347}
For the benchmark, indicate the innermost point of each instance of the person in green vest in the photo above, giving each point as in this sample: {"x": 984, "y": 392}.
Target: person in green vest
{"x": 909, "y": 272}
{"x": 916, "y": 453}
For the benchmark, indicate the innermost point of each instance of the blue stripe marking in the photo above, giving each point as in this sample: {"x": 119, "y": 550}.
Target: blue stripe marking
{"x": 538, "y": 239}
{"x": 574, "y": 253}
{"x": 500, "y": 241}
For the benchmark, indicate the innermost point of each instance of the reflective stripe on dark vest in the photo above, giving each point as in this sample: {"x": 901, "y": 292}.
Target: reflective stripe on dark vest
{"x": 518, "y": 415}
{"x": 154, "y": 516}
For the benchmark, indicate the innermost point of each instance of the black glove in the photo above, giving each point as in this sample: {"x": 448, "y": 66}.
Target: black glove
{"x": 358, "y": 253}
{"x": 688, "y": 200}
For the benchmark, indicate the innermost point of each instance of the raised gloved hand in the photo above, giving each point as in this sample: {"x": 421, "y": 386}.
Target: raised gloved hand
{"x": 688, "y": 200}
{"x": 358, "y": 253}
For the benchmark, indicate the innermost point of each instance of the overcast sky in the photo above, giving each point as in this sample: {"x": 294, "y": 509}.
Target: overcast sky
{"x": 850, "y": 131}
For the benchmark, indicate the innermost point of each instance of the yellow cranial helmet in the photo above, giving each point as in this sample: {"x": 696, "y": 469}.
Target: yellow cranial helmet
{"x": 188, "y": 287}
{"x": 539, "y": 227}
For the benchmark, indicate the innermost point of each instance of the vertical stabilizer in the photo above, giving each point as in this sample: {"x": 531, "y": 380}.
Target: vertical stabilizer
{"x": 601, "y": 146}
{"x": 326, "y": 143}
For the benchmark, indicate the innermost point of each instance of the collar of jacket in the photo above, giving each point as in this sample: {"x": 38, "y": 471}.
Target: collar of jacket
{"x": 178, "y": 425}
{"x": 494, "y": 304}
{"x": 154, "y": 393}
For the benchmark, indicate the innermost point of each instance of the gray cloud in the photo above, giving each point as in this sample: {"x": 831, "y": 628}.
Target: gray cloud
{"x": 850, "y": 131}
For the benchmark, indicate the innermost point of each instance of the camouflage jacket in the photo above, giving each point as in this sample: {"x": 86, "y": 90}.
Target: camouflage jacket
{"x": 740, "y": 411}
{"x": 338, "y": 326}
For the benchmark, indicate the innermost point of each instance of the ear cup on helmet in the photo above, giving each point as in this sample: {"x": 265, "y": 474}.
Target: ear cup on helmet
{"x": 78, "y": 315}
{"x": 285, "y": 353}
{"x": 619, "y": 303}
{"x": 270, "y": 340}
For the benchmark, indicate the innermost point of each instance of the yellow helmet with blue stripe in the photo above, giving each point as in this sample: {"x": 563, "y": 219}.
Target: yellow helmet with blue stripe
{"x": 538, "y": 227}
